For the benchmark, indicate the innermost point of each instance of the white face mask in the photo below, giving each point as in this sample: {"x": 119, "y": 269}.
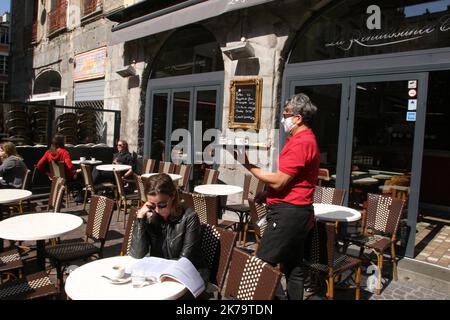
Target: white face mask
{"x": 288, "y": 124}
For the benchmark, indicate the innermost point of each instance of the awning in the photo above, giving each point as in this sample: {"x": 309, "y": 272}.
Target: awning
{"x": 141, "y": 27}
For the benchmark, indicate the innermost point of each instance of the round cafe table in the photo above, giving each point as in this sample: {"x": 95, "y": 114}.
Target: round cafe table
{"x": 221, "y": 190}
{"x": 39, "y": 227}
{"x": 174, "y": 177}
{"x": 90, "y": 162}
{"x": 112, "y": 167}
{"x": 9, "y": 196}
{"x": 87, "y": 283}
{"x": 334, "y": 213}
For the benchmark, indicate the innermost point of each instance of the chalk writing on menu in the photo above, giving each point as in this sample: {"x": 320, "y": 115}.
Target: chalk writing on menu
{"x": 245, "y": 104}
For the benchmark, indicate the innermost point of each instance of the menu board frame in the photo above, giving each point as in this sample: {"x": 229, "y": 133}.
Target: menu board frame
{"x": 234, "y": 85}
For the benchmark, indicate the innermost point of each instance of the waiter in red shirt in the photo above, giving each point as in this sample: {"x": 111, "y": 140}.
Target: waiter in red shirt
{"x": 290, "y": 194}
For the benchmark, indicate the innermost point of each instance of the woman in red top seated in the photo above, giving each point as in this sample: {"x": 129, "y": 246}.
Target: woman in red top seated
{"x": 57, "y": 152}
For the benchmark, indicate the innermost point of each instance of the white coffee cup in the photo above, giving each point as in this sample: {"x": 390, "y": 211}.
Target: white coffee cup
{"x": 117, "y": 272}
{"x": 82, "y": 158}
{"x": 93, "y": 159}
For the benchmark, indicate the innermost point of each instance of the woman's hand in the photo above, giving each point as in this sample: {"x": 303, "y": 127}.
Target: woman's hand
{"x": 145, "y": 211}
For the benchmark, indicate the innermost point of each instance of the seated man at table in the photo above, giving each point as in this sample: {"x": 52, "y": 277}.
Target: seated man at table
{"x": 12, "y": 167}
{"x": 164, "y": 228}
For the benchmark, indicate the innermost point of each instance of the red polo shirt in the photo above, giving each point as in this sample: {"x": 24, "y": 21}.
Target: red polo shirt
{"x": 300, "y": 158}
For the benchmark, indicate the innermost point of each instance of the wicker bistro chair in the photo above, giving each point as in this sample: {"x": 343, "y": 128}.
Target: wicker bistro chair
{"x": 185, "y": 171}
{"x": 11, "y": 264}
{"x": 126, "y": 244}
{"x": 149, "y": 166}
{"x": 56, "y": 195}
{"x": 25, "y": 183}
{"x": 323, "y": 259}
{"x": 252, "y": 186}
{"x": 89, "y": 187}
{"x": 250, "y": 278}
{"x": 122, "y": 197}
{"x": 33, "y": 286}
{"x": 99, "y": 219}
{"x": 329, "y": 195}
{"x": 217, "y": 246}
{"x": 211, "y": 176}
{"x": 57, "y": 169}
{"x": 258, "y": 212}
{"x": 323, "y": 177}
{"x": 140, "y": 186}
{"x": 381, "y": 223}
{"x": 166, "y": 167}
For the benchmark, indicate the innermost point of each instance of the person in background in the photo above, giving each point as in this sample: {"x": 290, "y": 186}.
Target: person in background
{"x": 12, "y": 168}
{"x": 57, "y": 153}
{"x": 123, "y": 156}
{"x": 290, "y": 194}
{"x": 164, "y": 228}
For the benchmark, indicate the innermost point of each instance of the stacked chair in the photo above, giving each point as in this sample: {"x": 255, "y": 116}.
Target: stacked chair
{"x": 87, "y": 125}
{"x": 39, "y": 124}
{"x": 66, "y": 125}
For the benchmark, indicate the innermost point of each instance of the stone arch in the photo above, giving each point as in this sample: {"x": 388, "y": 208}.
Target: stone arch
{"x": 47, "y": 81}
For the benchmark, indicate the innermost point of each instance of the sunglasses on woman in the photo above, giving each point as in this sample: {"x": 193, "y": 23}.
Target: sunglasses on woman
{"x": 160, "y": 205}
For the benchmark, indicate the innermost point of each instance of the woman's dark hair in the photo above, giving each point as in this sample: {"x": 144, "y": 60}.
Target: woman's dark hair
{"x": 163, "y": 184}
{"x": 58, "y": 141}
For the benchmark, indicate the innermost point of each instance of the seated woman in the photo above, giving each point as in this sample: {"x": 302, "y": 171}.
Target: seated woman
{"x": 57, "y": 153}
{"x": 12, "y": 168}
{"x": 123, "y": 156}
{"x": 166, "y": 230}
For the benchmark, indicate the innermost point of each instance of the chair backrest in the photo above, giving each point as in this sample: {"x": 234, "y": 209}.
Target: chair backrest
{"x": 100, "y": 213}
{"x": 165, "y": 167}
{"x": 87, "y": 175}
{"x": 320, "y": 244}
{"x": 149, "y": 166}
{"x": 252, "y": 186}
{"x": 56, "y": 195}
{"x": 26, "y": 179}
{"x": 140, "y": 185}
{"x": 383, "y": 213}
{"x": 323, "y": 176}
{"x": 250, "y": 278}
{"x": 329, "y": 195}
{"x": 217, "y": 246}
{"x": 257, "y": 212}
{"x": 206, "y": 206}
{"x": 57, "y": 169}
{"x": 119, "y": 183}
{"x": 184, "y": 170}
{"x": 210, "y": 176}
{"x": 126, "y": 244}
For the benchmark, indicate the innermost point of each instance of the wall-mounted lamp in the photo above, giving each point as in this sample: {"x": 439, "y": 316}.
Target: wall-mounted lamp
{"x": 127, "y": 71}
{"x": 243, "y": 50}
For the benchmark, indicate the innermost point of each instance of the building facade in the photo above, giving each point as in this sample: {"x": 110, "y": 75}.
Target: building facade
{"x": 4, "y": 56}
{"x": 378, "y": 71}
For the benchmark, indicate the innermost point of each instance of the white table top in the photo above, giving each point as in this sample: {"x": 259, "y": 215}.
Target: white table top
{"x": 365, "y": 181}
{"x": 91, "y": 162}
{"x": 112, "y": 167}
{"x": 87, "y": 283}
{"x": 333, "y": 213}
{"x": 11, "y": 195}
{"x": 172, "y": 175}
{"x": 218, "y": 189}
{"x": 38, "y": 226}
{"x": 389, "y": 187}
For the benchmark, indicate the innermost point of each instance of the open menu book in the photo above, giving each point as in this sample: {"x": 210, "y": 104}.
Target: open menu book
{"x": 181, "y": 270}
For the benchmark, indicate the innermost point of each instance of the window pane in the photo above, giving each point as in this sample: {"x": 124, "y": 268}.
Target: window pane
{"x": 160, "y": 101}
{"x": 342, "y": 31}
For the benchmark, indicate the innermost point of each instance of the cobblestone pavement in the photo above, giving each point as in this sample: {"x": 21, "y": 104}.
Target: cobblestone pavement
{"x": 433, "y": 242}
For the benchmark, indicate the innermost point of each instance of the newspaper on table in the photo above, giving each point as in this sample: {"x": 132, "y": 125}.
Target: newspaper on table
{"x": 181, "y": 270}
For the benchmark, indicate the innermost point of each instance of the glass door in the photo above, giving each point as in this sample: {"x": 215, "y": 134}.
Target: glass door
{"x": 385, "y": 139}
{"x": 331, "y": 98}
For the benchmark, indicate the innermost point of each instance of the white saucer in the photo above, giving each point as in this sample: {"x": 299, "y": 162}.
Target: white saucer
{"x": 123, "y": 280}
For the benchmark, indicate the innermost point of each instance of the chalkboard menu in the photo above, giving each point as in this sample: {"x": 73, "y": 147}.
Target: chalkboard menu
{"x": 245, "y": 103}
